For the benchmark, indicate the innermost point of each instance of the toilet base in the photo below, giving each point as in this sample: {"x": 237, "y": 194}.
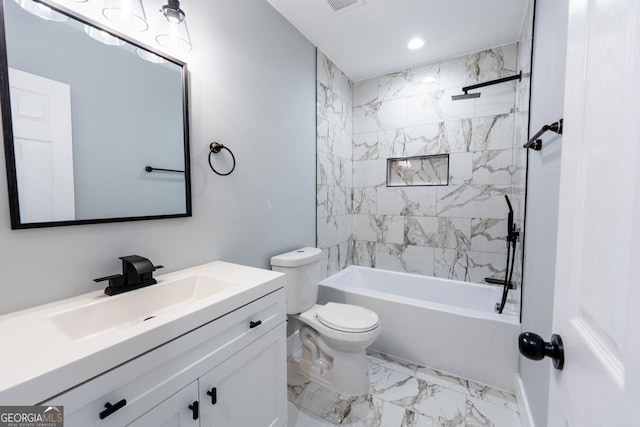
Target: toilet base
{"x": 343, "y": 372}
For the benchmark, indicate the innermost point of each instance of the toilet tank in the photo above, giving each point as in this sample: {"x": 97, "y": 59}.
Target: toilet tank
{"x": 302, "y": 268}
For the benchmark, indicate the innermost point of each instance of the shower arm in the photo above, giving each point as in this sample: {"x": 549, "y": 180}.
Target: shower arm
{"x": 535, "y": 143}
{"x": 493, "y": 82}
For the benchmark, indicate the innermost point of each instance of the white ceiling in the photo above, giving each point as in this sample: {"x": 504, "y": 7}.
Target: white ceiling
{"x": 371, "y": 40}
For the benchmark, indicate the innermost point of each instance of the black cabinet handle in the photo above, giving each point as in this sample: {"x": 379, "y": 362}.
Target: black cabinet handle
{"x": 112, "y": 408}
{"x": 214, "y": 395}
{"x": 254, "y": 324}
{"x": 195, "y": 408}
{"x": 533, "y": 347}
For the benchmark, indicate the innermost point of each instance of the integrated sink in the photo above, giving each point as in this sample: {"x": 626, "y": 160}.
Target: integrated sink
{"x": 108, "y": 314}
{"x": 56, "y": 346}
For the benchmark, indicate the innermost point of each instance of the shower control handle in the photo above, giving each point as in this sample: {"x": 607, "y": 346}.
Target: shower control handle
{"x": 533, "y": 347}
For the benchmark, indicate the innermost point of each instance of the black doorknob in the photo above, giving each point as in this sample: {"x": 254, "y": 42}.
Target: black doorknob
{"x": 533, "y": 347}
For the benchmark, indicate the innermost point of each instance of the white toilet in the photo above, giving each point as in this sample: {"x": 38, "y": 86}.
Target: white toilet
{"x": 334, "y": 336}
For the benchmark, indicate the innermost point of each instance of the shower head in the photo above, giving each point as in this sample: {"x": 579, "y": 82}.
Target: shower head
{"x": 465, "y": 96}
{"x": 468, "y": 95}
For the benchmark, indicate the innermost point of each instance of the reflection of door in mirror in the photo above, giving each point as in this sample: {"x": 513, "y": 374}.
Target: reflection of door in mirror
{"x": 41, "y": 117}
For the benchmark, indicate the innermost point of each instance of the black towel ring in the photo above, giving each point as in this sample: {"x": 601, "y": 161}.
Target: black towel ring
{"x": 216, "y": 148}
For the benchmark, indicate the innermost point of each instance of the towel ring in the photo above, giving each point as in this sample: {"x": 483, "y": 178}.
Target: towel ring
{"x": 215, "y": 148}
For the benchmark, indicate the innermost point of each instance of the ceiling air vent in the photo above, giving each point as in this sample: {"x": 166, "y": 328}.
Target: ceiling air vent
{"x": 339, "y": 6}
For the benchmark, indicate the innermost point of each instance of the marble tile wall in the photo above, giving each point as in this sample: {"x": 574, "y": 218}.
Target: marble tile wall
{"x": 455, "y": 231}
{"x": 334, "y": 165}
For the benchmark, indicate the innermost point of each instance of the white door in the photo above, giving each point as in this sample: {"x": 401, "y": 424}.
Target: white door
{"x": 42, "y": 135}
{"x": 597, "y": 299}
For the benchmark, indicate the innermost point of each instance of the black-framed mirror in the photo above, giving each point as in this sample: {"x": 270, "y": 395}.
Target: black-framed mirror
{"x": 94, "y": 131}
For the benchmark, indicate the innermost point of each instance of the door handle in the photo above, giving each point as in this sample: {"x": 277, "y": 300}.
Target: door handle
{"x": 533, "y": 347}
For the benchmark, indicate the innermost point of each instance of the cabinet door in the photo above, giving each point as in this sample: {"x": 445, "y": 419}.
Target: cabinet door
{"x": 250, "y": 386}
{"x": 173, "y": 412}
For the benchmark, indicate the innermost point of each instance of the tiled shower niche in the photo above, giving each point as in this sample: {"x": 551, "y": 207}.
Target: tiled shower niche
{"x": 418, "y": 171}
{"x": 456, "y": 231}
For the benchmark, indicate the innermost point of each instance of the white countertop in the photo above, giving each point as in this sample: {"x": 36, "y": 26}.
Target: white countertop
{"x": 39, "y": 359}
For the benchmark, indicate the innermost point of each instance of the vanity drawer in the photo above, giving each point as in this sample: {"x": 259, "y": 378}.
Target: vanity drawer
{"x": 150, "y": 378}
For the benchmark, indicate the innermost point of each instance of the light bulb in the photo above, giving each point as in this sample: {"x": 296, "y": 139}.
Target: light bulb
{"x": 126, "y": 14}
{"x": 41, "y": 10}
{"x": 102, "y": 36}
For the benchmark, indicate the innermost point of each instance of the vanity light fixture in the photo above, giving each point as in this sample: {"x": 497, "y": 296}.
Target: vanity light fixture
{"x": 174, "y": 34}
{"x": 41, "y": 10}
{"x": 126, "y": 14}
{"x": 102, "y": 36}
{"x": 416, "y": 43}
{"x": 149, "y": 56}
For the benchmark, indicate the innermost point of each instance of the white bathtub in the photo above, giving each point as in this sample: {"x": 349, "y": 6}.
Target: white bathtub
{"x": 443, "y": 324}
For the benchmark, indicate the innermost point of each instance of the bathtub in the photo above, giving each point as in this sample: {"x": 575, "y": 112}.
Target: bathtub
{"x": 444, "y": 324}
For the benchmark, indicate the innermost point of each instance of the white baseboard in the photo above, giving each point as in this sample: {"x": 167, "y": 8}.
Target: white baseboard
{"x": 293, "y": 343}
{"x": 523, "y": 404}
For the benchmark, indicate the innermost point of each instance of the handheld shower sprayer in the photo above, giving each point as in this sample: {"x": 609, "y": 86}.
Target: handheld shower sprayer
{"x": 512, "y": 238}
{"x": 512, "y": 233}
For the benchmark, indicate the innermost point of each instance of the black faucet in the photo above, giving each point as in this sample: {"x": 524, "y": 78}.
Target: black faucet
{"x": 137, "y": 272}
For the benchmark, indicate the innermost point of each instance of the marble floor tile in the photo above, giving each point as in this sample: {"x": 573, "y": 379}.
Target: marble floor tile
{"x": 320, "y": 401}
{"x": 404, "y": 367}
{"x": 402, "y": 394}
{"x": 493, "y": 396}
{"x": 439, "y": 405}
{"x": 297, "y": 417}
{"x": 296, "y": 382}
{"x": 443, "y": 379}
{"x": 482, "y": 413}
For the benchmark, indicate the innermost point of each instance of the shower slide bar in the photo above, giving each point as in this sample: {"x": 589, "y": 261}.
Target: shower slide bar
{"x": 535, "y": 143}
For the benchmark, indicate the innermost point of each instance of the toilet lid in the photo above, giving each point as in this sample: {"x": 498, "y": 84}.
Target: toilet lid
{"x": 347, "y": 317}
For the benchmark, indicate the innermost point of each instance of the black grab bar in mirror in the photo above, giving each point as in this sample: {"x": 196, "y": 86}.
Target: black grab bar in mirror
{"x": 152, "y": 169}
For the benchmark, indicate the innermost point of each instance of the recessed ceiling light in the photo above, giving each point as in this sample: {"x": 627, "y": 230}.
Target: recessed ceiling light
{"x": 416, "y": 43}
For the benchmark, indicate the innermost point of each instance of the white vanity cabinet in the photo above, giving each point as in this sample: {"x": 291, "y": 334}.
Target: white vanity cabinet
{"x": 239, "y": 358}
{"x": 173, "y": 412}
{"x": 246, "y": 389}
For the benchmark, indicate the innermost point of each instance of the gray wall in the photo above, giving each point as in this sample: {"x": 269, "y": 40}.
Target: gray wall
{"x": 253, "y": 89}
{"x": 547, "y": 99}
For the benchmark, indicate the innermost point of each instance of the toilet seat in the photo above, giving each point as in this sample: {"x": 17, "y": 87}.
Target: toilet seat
{"x": 347, "y": 317}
